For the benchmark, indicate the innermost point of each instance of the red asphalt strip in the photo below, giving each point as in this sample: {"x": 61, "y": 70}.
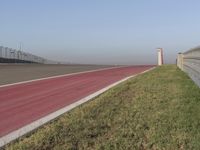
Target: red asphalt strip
{"x": 24, "y": 103}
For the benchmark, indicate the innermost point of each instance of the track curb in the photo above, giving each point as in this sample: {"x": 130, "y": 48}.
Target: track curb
{"x": 34, "y": 125}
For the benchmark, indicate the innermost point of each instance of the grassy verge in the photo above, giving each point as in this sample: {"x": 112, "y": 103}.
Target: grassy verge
{"x": 157, "y": 110}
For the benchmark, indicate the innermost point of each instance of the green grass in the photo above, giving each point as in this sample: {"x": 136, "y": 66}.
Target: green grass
{"x": 157, "y": 110}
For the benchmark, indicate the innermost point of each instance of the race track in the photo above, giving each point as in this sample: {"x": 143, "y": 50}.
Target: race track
{"x": 24, "y": 103}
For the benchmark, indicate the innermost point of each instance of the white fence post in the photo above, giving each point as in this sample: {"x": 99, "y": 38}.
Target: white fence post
{"x": 1, "y": 51}
{"x": 180, "y": 61}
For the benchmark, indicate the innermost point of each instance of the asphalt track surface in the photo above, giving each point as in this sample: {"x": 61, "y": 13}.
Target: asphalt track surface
{"x": 24, "y": 103}
{"x": 11, "y": 73}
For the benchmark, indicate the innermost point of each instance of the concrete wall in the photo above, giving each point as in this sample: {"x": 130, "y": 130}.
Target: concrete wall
{"x": 189, "y": 62}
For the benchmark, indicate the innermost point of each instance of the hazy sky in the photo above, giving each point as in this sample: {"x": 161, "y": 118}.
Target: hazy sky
{"x": 101, "y": 31}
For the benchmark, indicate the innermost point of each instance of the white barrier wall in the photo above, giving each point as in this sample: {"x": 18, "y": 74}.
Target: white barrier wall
{"x": 189, "y": 62}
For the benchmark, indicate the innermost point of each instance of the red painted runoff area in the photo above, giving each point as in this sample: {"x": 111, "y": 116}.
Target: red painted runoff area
{"x": 22, "y": 104}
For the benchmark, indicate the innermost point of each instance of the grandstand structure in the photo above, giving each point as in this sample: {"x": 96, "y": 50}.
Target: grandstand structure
{"x": 10, "y": 55}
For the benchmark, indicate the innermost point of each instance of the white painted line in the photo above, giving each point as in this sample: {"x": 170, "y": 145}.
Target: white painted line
{"x": 27, "y": 128}
{"x": 57, "y": 76}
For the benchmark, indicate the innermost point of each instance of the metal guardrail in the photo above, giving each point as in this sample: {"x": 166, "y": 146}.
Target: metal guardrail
{"x": 189, "y": 62}
{"x": 9, "y": 55}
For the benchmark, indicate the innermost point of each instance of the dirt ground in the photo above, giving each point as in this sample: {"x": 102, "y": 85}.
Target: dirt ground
{"x": 12, "y": 73}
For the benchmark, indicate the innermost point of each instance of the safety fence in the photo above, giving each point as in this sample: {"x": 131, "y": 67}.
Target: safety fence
{"x": 9, "y": 55}
{"x": 189, "y": 62}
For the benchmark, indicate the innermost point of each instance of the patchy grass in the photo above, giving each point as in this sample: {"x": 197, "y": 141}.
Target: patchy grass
{"x": 157, "y": 110}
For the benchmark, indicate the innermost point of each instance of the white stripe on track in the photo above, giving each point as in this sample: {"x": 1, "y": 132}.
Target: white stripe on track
{"x": 58, "y": 76}
{"x": 32, "y": 126}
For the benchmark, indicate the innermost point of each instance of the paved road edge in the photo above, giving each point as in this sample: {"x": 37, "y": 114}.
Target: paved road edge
{"x": 34, "y": 125}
